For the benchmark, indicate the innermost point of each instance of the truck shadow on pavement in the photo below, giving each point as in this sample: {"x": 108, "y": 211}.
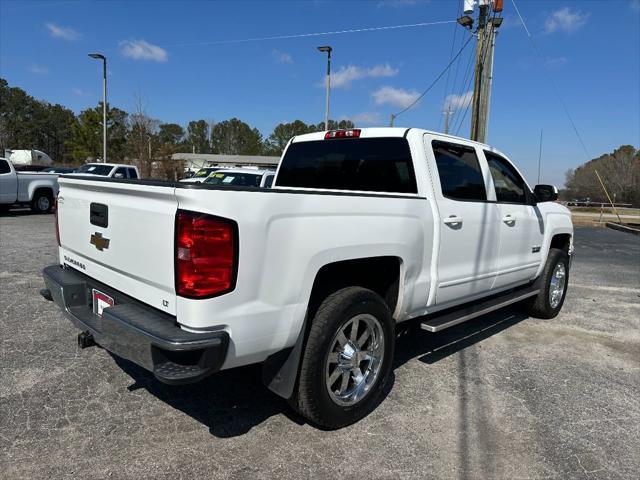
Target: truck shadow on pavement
{"x": 230, "y": 403}
{"x": 18, "y": 212}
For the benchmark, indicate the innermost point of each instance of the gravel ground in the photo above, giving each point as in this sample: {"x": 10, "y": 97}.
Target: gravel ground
{"x": 502, "y": 397}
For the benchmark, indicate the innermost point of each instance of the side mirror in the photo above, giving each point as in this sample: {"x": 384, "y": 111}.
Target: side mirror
{"x": 546, "y": 193}
{"x": 119, "y": 175}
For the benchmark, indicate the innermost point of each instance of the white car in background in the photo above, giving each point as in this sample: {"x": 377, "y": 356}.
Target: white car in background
{"x": 201, "y": 175}
{"x": 242, "y": 177}
{"x": 110, "y": 170}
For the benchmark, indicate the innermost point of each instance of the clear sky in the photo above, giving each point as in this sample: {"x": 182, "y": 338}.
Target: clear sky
{"x": 175, "y": 56}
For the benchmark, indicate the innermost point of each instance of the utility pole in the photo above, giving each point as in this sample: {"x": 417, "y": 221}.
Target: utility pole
{"x": 99, "y": 56}
{"x": 447, "y": 114}
{"x": 540, "y": 157}
{"x": 486, "y": 33}
{"x": 327, "y": 49}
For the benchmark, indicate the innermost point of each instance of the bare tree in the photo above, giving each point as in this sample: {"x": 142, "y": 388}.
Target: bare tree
{"x": 620, "y": 172}
{"x": 142, "y": 132}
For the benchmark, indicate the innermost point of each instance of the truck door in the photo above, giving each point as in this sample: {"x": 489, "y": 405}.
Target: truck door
{"x": 469, "y": 239}
{"x": 8, "y": 182}
{"x": 520, "y": 224}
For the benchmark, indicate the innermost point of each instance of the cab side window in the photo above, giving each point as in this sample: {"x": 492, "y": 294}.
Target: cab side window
{"x": 510, "y": 186}
{"x": 132, "y": 173}
{"x": 269, "y": 181}
{"x": 120, "y": 173}
{"x": 459, "y": 170}
{"x": 4, "y": 167}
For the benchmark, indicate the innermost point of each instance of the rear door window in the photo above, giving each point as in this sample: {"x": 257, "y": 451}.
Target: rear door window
{"x": 361, "y": 164}
{"x": 269, "y": 181}
{"x": 459, "y": 171}
{"x": 132, "y": 173}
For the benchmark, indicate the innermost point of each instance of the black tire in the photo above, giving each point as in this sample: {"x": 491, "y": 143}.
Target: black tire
{"x": 42, "y": 202}
{"x": 540, "y": 305}
{"x": 313, "y": 399}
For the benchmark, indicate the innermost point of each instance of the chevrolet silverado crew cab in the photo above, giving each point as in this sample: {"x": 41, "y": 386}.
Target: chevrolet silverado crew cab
{"x": 38, "y": 190}
{"x": 364, "y": 232}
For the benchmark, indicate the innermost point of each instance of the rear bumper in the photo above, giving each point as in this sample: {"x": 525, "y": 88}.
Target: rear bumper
{"x": 137, "y": 332}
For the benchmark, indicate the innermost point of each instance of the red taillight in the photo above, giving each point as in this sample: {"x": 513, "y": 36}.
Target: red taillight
{"x": 55, "y": 206}
{"x": 205, "y": 255}
{"x": 353, "y": 133}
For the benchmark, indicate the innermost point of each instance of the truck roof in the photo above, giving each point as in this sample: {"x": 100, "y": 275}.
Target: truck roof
{"x": 255, "y": 171}
{"x": 372, "y": 132}
{"x": 111, "y": 164}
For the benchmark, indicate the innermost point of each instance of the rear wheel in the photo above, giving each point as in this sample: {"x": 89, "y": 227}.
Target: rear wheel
{"x": 42, "y": 202}
{"x": 553, "y": 286}
{"x": 347, "y": 359}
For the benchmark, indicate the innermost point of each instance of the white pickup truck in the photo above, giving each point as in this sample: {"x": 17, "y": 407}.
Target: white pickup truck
{"x": 109, "y": 170}
{"x": 364, "y": 232}
{"x": 38, "y": 190}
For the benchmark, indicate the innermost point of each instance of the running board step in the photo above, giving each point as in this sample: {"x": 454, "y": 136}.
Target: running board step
{"x": 440, "y": 321}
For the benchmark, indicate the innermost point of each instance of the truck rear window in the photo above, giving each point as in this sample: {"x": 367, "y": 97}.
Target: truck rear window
{"x": 93, "y": 169}
{"x": 364, "y": 164}
{"x": 234, "y": 178}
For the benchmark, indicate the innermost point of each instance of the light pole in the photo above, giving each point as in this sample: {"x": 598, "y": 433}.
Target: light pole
{"x": 327, "y": 49}
{"x": 99, "y": 56}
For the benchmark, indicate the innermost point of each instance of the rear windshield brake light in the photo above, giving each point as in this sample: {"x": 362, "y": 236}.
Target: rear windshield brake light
{"x": 352, "y": 133}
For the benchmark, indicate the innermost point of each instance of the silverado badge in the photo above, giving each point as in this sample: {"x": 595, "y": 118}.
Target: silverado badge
{"x": 99, "y": 241}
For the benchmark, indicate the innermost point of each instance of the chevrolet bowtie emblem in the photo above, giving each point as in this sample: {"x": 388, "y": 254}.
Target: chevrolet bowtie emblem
{"x": 99, "y": 241}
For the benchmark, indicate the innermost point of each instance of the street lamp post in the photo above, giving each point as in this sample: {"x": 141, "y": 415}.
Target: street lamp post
{"x": 99, "y": 56}
{"x": 327, "y": 49}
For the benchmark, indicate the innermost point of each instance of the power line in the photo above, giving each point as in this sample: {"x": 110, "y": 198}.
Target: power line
{"x": 435, "y": 81}
{"x": 464, "y": 86}
{"x": 553, "y": 83}
{"x": 314, "y": 34}
{"x": 453, "y": 45}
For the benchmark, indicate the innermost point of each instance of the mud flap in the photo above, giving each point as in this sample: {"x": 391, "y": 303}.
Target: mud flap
{"x": 280, "y": 370}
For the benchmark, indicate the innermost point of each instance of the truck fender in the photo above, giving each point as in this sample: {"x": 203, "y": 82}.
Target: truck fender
{"x": 45, "y": 184}
{"x": 280, "y": 370}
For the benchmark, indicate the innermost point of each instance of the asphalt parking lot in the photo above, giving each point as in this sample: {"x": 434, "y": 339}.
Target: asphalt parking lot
{"x": 502, "y": 397}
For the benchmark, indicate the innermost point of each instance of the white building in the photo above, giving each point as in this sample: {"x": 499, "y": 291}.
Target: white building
{"x": 196, "y": 161}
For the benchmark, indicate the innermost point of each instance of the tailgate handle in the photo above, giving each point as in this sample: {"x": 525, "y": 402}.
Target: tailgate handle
{"x": 99, "y": 215}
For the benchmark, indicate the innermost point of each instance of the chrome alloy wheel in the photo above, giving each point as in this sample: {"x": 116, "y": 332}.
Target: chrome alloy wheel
{"x": 43, "y": 203}
{"x": 558, "y": 284}
{"x": 355, "y": 359}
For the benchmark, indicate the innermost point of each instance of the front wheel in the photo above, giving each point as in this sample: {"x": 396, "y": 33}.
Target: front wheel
{"x": 347, "y": 359}
{"x": 554, "y": 281}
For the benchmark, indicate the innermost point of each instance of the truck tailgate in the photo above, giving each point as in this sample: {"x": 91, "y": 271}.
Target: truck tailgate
{"x": 121, "y": 234}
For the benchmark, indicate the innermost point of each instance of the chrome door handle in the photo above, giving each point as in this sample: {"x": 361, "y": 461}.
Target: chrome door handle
{"x": 509, "y": 220}
{"x": 453, "y": 220}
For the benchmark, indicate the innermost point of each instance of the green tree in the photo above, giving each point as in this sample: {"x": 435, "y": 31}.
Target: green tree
{"x": 198, "y": 136}
{"x": 334, "y": 125}
{"x": 234, "y": 137}
{"x": 86, "y": 139}
{"x": 282, "y": 133}
{"x": 27, "y": 123}
{"x": 170, "y": 134}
